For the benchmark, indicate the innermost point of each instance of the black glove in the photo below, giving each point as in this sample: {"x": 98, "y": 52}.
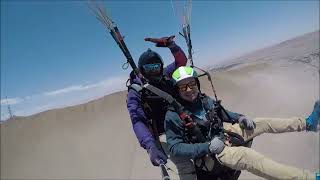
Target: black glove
{"x": 161, "y": 42}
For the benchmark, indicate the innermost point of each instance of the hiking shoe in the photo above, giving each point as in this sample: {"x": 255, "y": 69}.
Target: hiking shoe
{"x": 313, "y": 120}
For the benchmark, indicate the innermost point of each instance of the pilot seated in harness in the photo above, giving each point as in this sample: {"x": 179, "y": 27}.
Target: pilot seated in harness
{"x": 212, "y": 143}
{"x": 147, "y": 110}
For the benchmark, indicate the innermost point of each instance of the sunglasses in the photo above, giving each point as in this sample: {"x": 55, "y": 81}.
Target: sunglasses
{"x": 152, "y": 68}
{"x": 184, "y": 87}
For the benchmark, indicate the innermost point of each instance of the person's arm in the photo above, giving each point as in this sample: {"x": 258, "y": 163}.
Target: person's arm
{"x": 139, "y": 120}
{"x": 177, "y": 52}
{"x": 176, "y": 142}
{"x": 243, "y": 121}
{"x": 179, "y": 57}
{"x": 234, "y": 116}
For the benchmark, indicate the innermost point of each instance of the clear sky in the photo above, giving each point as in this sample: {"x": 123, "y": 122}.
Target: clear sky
{"x": 56, "y": 53}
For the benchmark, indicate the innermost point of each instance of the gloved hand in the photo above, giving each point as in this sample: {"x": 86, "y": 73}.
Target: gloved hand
{"x": 216, "y": 145}
{"x": 246, "y": 123}
{"x": 156, "y": 156}
{"x": 161, "y": 42}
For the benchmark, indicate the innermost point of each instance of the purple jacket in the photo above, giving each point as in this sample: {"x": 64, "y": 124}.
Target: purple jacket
{"x": 134, "y": 105}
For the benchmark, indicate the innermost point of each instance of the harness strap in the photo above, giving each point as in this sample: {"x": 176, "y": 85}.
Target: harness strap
{"x": 159, "y": 92}
{"x": 203, "y": 164}
{"x": 136, "y": 87}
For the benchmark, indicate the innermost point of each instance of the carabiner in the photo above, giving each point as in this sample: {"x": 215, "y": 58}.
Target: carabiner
{"x": 125, "y": 65}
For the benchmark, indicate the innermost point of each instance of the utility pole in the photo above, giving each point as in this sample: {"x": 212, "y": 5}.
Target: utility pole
{"x": 9, "y": 109}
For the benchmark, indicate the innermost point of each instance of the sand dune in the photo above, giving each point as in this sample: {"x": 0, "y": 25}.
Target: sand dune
{"x": 95, "y": 140}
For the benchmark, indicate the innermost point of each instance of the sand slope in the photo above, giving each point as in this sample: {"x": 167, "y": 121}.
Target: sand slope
{"x": 95, "y": 140}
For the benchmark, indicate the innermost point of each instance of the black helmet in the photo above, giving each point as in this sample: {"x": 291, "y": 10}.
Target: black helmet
{"x": 149, "y": 57}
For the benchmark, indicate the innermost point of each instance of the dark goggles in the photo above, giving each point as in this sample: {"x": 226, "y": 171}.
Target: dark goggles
{"x": 152, "y": 68}
{"x": 184, "y": 87}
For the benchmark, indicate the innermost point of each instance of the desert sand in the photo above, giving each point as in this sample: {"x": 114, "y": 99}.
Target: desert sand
{"x": 95, "y": 140}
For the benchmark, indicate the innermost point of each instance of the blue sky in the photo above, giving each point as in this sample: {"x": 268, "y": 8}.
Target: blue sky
{"x": 56, "y": 53}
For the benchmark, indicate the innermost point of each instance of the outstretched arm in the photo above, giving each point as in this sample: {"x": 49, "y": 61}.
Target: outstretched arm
{"x": 233, "y": 116}
{"x": 178, "y": 54}
{"x": 179, "y": 57}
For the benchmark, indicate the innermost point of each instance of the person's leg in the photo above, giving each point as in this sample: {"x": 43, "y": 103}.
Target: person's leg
{"x": 178, "y": 168}
{"x": 242, "y": 158}
{"x": 313, "y": 120}
{"x": 269, "y": 125}
{"x": 280, "y": 125}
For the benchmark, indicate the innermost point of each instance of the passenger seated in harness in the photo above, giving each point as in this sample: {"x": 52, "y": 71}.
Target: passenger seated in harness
{"x": 210, "y": 141}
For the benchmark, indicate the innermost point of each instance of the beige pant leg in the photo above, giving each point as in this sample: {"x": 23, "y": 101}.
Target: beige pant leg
{"x": 242, "y": 158}
{"x": 269, "y": 125}
{"x": 178, "y": 168}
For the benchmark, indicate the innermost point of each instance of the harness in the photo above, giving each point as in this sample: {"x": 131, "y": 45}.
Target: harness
{"x": 154, "y": 103}
{"x": 203, "y": 130}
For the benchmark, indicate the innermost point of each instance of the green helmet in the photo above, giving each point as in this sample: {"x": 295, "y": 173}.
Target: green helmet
{"x": 183, "y": 72}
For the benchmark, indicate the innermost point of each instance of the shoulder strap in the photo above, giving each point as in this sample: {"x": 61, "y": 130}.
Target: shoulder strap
{"x": 207, "y": 102}
{"x": 171, "y": 108}
{"x": 135, "y": 87}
